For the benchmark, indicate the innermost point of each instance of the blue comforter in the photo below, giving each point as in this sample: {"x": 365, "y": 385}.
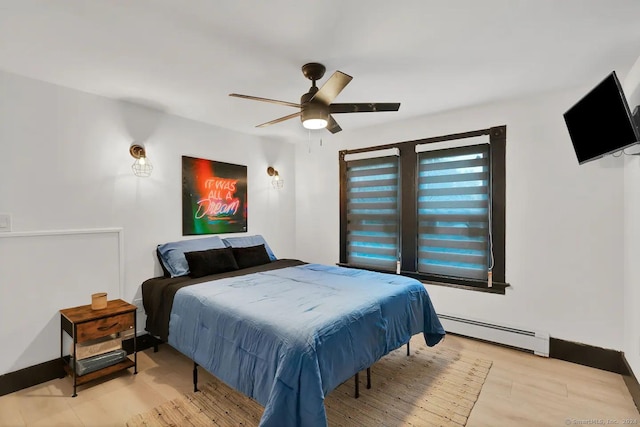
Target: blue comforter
{"x": 288, "y": 337}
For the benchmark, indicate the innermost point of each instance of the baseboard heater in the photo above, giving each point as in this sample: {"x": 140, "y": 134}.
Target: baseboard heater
{"x": 534, "y": 341}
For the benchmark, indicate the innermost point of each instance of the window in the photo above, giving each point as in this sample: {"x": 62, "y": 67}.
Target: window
{"x": 453, "y": 212}
{"x": 372, "y": 212}
{"x": 438, "y": 214}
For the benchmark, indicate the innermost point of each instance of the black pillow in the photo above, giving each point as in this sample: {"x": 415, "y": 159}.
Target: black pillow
{"x": 210, "y": 261}
{"x": 251, "y": 256}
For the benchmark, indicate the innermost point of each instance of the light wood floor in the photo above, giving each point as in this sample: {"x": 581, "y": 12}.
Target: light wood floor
{"x": 520, "y": 390}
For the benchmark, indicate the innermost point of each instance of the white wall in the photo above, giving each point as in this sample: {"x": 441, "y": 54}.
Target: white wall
{"x": 64, "y": 164}
{"x": 631, "y": 346}
{"x": 39, "y": 265}
{"x": 564, "y": 230}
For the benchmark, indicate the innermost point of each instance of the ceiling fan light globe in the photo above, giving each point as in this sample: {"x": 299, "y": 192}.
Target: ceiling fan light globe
{"x": 314, "y": 124}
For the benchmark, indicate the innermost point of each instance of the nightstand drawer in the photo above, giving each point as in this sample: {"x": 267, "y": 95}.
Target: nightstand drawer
{"x": 103, "y": 327}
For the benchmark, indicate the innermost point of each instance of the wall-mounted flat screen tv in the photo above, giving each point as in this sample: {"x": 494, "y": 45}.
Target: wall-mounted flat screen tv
{"x": 601, "y": 122}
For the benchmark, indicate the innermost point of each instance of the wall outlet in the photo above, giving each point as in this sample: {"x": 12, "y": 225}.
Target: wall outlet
{"x": 138, "y": 303}
{"x": 5, "y": 222}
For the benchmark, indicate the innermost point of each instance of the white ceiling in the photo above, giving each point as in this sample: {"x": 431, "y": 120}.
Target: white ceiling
{"x": 186, "y": 56}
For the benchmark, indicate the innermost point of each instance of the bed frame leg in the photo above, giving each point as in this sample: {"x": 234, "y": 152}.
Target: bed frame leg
{"x": 154, "y": 342}
{"x": 408, "y": 349}
{"x": 357, "y": 377}
{"x": 195, "y": 377}
{"x": 369, "y": 377}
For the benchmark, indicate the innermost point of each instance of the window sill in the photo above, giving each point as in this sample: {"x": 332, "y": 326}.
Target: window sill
{"x": 496, "y": 288}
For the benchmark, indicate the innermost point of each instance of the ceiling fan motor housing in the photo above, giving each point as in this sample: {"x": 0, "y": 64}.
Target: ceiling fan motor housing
{"x": 312, "y": 109}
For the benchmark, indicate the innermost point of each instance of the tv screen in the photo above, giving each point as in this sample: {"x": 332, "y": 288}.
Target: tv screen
{"x": 600, "y": 123}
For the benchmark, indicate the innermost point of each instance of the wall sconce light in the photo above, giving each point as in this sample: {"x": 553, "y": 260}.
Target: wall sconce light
{"x": 277, "y": 182}
{"x": 142, "y": 166}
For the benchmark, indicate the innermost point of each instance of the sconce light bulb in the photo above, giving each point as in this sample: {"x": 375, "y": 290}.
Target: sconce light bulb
{"x": 141, "y": 166}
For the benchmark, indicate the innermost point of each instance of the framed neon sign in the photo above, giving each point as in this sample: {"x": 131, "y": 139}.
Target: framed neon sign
{"x": 214, "y": 197}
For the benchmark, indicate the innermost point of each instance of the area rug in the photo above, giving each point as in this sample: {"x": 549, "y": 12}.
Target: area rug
{"x": 433, "y": 386}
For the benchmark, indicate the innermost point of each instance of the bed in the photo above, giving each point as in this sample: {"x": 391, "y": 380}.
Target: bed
{"x": 286, "y": 332}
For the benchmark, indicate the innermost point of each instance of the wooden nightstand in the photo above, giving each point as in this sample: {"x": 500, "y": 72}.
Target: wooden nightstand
{"x": 83, "y": 324}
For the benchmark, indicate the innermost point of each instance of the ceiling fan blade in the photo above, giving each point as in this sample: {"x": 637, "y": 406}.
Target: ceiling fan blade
{"x": 281, "y": 119}
{"x": 332, "y": 87}
{"x": 364, "y": 107}
{"x": 333, "y": 126}
{"x": 273, "y": 101}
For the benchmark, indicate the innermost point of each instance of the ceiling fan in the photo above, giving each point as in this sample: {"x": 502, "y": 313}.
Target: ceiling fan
{"x": 315, "y": 106}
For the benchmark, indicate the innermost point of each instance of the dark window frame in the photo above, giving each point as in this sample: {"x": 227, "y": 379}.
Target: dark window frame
{"x": 408, "y": 205}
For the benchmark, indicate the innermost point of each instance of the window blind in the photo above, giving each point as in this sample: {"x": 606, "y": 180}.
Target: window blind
{"x": 372, "y": 212}
{"x": 453, "y": 212}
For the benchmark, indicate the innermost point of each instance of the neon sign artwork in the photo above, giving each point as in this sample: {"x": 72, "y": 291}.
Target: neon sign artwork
{"x": 214, "y": 197}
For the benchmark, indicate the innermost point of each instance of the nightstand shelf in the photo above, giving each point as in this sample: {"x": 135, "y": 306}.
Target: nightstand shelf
{"x": 83, "y": 379}
{"x": 83, "y": 324}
